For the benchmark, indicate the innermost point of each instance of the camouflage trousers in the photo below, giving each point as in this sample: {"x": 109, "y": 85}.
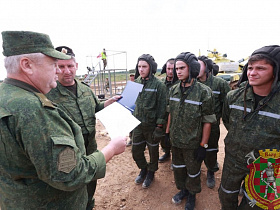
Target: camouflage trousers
{"x": 142, "y": 136}
{"x": 186, "y": 170}
{"x": 213, "y": 148}
{"x": 232, "y": 178}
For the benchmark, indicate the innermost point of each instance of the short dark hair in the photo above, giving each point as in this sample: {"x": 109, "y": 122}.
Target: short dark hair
{"x": 259, "y": 57}
{"x": 171, "y": 61}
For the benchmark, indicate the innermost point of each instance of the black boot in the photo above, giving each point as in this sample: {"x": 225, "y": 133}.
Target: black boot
{"x": 164, "y": 157}
{"x": 210, "y": 179}
{"x": 140, "y": 178}
{"x": 190, "y": 202}
{"x": 149, "y": 178}
{"x": 180, "y": 196}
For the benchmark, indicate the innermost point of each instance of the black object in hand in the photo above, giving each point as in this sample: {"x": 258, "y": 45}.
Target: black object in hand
{"x": 200, "y": 153}
{"x": 167, "y": 140}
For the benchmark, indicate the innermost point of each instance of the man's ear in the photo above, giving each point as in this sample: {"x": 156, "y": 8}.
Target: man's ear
{"x": 26, "y": 65}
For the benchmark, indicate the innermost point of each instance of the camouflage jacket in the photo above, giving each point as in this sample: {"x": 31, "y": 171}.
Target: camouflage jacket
{"x": 187, "y": 118}
{"x": 220, "y": 88}
{"x": 259, "y": 130}
{"x": 80, "y": 108}
{"x": 151, "y": 102}
{"x": 167, "y": 83}
{"x": 42, "y": 154}
{"x": 168, "y": 86}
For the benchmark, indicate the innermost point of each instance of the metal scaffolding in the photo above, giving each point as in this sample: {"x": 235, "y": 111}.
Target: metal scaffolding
{"x": 96, "y": 77}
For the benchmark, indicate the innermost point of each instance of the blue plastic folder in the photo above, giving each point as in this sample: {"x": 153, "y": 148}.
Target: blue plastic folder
{"x": 130, "y": 94}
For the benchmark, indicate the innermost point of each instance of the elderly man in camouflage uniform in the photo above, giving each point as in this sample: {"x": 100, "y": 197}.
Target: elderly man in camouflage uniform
{"x": 220, "y": 88}
{"x": 191, "y": 115}
{"x": 150, "y": 111}
{"x": 251, "y": 115}
{"x": 80, "y": 103}
{"x": 43, "y": 161}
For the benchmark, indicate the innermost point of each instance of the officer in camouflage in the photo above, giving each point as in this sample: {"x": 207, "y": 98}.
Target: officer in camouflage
{"x": 251, "y": 115}
{"x": 220, "y": 88}
{"x": 80, "y": 103}
{"x": 191, "y": 114}
{"x": 43, "y": 161}
{"x": 150, "y": 111}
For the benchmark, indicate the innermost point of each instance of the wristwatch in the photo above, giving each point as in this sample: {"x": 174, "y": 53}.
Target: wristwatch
{"x": 204, "y": 145}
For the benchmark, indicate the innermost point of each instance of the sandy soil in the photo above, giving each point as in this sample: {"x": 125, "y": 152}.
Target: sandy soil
{"x": 118, "y": 191}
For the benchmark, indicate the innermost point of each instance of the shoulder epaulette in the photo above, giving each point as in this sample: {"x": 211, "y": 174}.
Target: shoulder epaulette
{"x": 45, "y": 101}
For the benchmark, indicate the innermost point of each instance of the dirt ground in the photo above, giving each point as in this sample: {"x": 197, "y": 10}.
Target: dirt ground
{"x": 118, "y": 190}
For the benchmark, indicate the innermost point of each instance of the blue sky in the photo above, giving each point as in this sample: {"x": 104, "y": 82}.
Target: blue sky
{"x": 162, "y": 28}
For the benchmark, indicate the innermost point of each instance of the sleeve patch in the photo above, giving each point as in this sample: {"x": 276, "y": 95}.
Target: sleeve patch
{"x": 66, "y": 160}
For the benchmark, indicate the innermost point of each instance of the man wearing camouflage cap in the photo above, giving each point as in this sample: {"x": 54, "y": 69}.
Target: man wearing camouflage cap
{"x": 43, "y": 161}
{"x": 150, "y": 111}
{"x": 191, "y": 114}
{"x": 220, "y": 88}
{"x": 80, "y": 103}
{"x": 251, "y": 115}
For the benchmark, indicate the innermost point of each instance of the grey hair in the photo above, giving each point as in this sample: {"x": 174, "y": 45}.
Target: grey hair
{"x": 12, "y": 62}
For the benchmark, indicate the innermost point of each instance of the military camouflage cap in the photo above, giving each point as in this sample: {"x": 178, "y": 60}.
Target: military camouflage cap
{"x": 27, "y": 42}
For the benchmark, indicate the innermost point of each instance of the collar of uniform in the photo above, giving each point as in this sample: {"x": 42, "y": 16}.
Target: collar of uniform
{"x": 208, "y": 79}
{"x": 149, "y": 81}
{"x": 65, "y": 91}
{"x": 249, "y": 94}
{"x": 62, "y": 89}
{"x": 21, "y": 84}
{"x": 177, "y": 89}
{"x": 80, "y": 91}
{"x": 269, "y": 104}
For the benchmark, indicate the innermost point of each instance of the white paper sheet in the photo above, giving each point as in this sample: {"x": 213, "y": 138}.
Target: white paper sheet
{"x": 117, "y": 120}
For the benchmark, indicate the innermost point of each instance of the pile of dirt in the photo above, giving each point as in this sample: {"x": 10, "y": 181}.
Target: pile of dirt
{"x": 118, "y": 190}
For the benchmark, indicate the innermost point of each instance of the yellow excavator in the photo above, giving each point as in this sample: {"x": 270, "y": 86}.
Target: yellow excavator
{"x": 229, "y": 70}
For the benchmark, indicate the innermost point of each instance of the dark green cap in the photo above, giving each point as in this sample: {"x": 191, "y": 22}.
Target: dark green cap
{"x": 27, "y": 42}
